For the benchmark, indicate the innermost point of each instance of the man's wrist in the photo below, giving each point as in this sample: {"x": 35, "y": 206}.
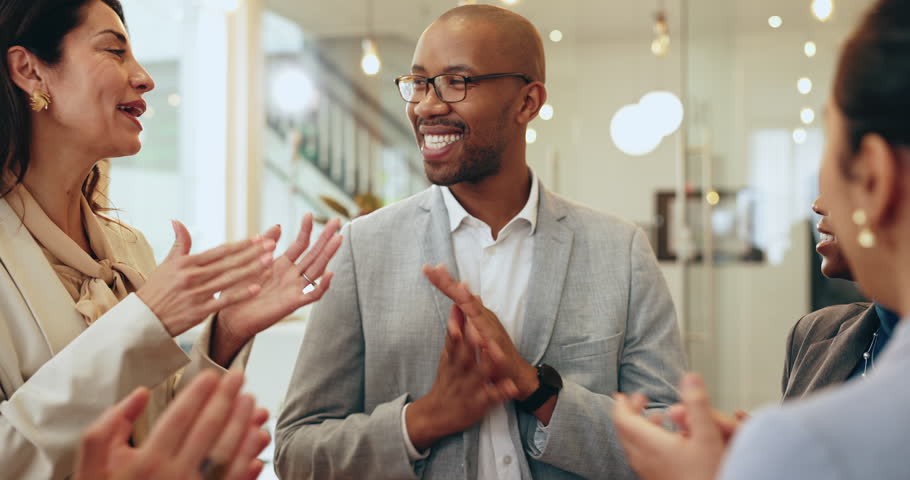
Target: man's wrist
{"x": 413, "y": 454}
{"x": 529, "y": 382}
{"x": 420, "y": 425}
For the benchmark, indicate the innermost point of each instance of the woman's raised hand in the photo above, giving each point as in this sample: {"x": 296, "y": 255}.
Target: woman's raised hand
{"x": 181, "y": 291}
{"x": 285, "y": 284}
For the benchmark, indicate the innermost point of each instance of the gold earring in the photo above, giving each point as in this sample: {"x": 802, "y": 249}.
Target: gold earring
{"x": 40, "y": 101}
{"x": 866, "y": 238}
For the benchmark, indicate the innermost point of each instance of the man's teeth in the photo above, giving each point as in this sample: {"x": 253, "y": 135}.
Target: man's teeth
{"x": 440, "y": 141}
{"x": 826, "y": 237}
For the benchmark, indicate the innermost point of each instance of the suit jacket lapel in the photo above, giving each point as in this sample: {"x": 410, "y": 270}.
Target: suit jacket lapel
{"x": 51, "y": 306}
{"x": 552, "y": 250}
{"x": 438, "y": 248}
{"x": 437, "y": 245}
{"x": 843, "y": 351}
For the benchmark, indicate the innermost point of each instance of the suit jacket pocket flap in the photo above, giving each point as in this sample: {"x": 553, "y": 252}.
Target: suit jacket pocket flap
{"x": 590, "y": 348}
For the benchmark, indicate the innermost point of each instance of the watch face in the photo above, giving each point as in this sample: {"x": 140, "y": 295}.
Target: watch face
{"x": 549, "y": 376}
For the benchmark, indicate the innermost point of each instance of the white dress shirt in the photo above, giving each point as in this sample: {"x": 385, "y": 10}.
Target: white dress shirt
{"x": 498, "y": 271}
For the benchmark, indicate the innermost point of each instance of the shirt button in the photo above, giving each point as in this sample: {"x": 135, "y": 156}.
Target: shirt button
{"x": 507, "y": 460}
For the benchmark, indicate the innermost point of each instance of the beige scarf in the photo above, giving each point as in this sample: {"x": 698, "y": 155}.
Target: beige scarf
{"x": 96, "y": 285}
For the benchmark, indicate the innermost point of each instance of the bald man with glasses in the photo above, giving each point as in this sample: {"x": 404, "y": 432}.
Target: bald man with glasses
{"x": 478, "y": 329}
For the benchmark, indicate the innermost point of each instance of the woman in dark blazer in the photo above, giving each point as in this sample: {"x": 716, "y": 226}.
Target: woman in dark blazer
{"x": 837, "y": 343}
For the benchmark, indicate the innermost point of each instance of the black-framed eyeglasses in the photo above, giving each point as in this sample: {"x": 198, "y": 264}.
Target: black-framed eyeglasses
{"x": 450, "y": 88}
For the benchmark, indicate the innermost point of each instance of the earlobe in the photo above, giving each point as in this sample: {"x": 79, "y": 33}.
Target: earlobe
{"x": 534, "y": 100}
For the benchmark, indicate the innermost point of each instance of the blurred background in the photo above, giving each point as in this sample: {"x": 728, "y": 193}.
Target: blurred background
{"x": 699, "y": 120}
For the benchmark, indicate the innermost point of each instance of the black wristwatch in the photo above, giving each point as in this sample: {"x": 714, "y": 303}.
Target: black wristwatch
{"x": 550, "y": 384}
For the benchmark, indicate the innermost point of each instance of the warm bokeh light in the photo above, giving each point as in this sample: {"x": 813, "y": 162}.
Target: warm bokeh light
{"x": 822, "y": 9}
{"x": 546, "y": 111}
{"x": 807, "y": 115}
{"x": 712, "y": 197}
{"x": 804, "y": 85}
{"x": 370, "y": 62}
{"x": 810, "y": 49}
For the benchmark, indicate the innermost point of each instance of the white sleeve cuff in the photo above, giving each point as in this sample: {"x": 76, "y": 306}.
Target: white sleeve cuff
{"x": 541, "y": 436}
{"x": 413, "y": 454}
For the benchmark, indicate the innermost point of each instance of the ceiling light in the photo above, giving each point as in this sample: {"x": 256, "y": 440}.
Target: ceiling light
{"x": 638, "y": 129}
{"x": 531, "y": 136}
{"x": 660, "y": 45}
{"x": 291, "y": 91}
{"x": 775, "y": 21}
{"x": 665, "y": 111}
{"x": 804, "y": 85}
{"x": 807, "y": 115}
{"x": 556, "y": 36}
{"x": 370, "y": 62}
{"x": 810, "y": 49}
{"x": 510, "y": 2}
{"x": 800, "y": 135}
{"x": 822, "y": 9}
{"x": 174, "y": 100}
{"x": 632, "y": 132}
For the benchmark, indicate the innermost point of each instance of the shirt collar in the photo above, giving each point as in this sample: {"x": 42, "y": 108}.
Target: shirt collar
{"x": 888, "y": 319}
{"x": 457, "y": 213}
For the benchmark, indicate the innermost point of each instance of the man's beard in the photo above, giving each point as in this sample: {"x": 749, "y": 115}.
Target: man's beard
{"x": 477, "y": 164}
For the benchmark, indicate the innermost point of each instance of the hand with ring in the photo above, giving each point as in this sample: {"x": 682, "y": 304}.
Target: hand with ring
{"x": 210, "y": 432}
{"x": 288, "y": 284}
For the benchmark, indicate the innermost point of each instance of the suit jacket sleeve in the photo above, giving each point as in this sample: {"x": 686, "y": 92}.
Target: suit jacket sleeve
{"x": 652, "y": 362}
{"x": 42, "y": 422}
{"x": 323, "y": 431}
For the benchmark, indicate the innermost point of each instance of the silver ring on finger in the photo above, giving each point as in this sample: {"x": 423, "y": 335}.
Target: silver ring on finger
{"x": 309, "y": 280}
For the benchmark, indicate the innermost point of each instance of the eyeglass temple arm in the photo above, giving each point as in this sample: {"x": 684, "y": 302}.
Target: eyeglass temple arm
{"x": 522, "y": 76}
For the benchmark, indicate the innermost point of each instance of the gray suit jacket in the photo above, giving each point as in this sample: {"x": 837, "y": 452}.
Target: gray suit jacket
{"x": 825, "y": 346}
{"x": 599, "y": 311}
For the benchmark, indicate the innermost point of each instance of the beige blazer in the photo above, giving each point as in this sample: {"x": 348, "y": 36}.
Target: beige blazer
{"x": 56, "y": 374}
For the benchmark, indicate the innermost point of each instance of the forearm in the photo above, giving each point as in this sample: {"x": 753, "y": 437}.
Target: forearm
{"x": 362, "y": 446}
{"x": 43, "y": 420}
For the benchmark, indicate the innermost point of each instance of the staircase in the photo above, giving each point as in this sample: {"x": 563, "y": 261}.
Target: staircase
{"x": 350, "y": 140}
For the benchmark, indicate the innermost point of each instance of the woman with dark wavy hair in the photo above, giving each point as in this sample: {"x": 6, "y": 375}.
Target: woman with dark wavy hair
{"x": 860, "y": 429}
{"x": 86, "y": 316}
